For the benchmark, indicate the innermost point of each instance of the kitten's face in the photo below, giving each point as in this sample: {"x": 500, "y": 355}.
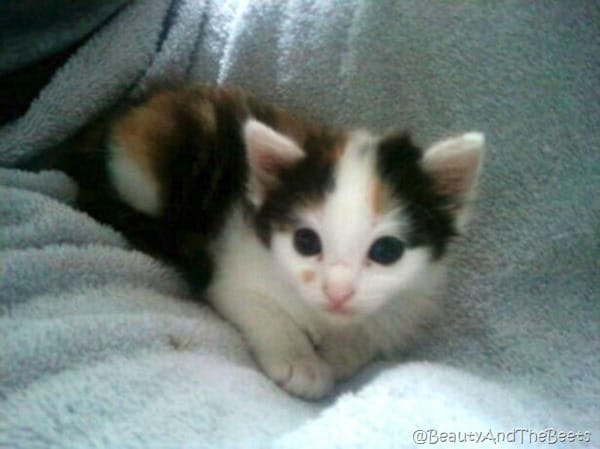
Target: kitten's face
{"x": 349, "y": 253}
{"x": 363, "y": 222}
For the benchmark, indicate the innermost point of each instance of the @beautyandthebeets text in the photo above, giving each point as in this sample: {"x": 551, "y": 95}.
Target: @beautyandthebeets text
{"x": 516, "y": 436}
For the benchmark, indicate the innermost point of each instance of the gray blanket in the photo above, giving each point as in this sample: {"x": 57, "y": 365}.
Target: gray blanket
{"x": 103, "y": 347}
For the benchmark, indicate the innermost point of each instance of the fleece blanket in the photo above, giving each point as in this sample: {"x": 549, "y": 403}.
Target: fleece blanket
{"x": 105, "y": 347}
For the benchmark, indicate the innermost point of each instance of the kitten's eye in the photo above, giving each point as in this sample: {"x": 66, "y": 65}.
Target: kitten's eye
{"x": 386, "y": 250}
{"x": 307, "y": 242}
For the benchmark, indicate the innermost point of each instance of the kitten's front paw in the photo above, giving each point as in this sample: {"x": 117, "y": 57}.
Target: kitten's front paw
{"x": 307, "y": 376}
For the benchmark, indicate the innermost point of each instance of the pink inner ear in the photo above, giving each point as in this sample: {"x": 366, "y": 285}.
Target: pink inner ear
{"x": 457, "y": 180}
{"x": 267, "y": 162}
{"x": 268, "y": 152}
{"x": 454, "y": 164}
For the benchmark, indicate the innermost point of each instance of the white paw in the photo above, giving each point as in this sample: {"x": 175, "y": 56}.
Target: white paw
{"x": 306, "y": 376}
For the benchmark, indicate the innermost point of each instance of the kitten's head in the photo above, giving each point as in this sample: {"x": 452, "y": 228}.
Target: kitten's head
{"x": 354, "y": 221}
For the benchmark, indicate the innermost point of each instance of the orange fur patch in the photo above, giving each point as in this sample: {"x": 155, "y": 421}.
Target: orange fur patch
{"x": 336, "y": 152}
{"x": 141, "y": 133}
{"x": 308, "y": 276}
{"x": 145, "y": 132}
{"x": 379, "y": 197}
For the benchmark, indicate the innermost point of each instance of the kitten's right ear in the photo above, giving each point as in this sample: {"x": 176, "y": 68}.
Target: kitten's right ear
{"x": 268, "y": 151}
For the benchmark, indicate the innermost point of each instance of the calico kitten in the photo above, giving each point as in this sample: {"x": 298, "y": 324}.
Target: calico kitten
{"x": 324, "y": 247}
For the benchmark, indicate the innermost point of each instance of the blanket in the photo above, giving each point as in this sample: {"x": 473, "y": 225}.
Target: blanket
{"x": 105, "y": 347}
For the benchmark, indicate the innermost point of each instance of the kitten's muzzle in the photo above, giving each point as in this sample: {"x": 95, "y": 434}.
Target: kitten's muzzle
{"x": 339, "y": 288}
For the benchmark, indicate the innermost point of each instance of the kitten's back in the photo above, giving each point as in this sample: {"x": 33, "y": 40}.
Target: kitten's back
{"x": 167, "y": 168}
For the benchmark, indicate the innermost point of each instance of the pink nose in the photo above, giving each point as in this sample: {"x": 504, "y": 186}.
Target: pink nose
{"x": 338, "y": 295}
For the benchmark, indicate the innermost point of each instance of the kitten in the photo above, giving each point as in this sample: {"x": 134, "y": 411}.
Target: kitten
{"x": 324, "y": 247}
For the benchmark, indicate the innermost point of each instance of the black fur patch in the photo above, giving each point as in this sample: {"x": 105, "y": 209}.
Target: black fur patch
{"x": 207, "y": 171}
{"x": 398, "y": 163}
{"x": 304, "y": 183}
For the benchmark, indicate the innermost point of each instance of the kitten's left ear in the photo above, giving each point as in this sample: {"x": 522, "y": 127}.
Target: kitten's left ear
{"x": 454, "y": 165}
{"x": 268, "y": 152}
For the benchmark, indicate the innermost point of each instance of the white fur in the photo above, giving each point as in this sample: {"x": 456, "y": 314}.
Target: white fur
{"x": 135, "y": 185}
{"x": 299, "y": 343}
